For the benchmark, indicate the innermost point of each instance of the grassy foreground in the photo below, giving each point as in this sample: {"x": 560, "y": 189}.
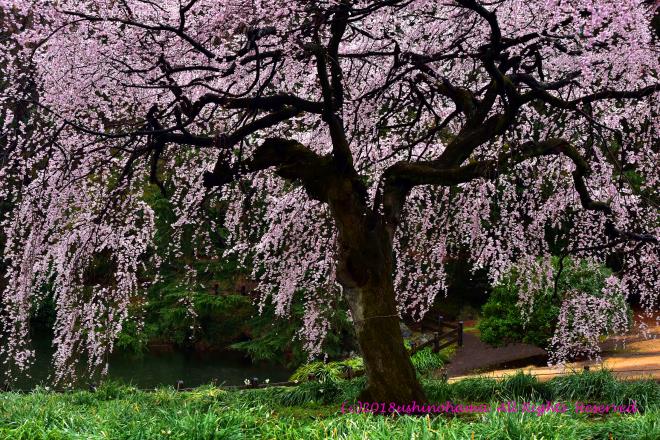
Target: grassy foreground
{"x": 312, "y": 411}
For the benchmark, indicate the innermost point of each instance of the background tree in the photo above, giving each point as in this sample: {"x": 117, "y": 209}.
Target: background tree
{"x": 365, "y": 139}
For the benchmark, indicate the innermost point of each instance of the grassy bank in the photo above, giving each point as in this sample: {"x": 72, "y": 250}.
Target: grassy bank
{"x": 312, "y": 411}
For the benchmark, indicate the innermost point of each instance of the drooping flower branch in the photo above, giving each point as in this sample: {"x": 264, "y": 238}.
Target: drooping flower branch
{"x": 412, "y": 127}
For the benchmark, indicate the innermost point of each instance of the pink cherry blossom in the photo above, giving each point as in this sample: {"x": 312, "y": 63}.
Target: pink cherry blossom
{"x": 457, "y": 125}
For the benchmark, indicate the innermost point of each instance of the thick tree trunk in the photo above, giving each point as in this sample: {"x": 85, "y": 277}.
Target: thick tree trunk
{"x": 391, "y": 376}
{"x": 365, "y": 272}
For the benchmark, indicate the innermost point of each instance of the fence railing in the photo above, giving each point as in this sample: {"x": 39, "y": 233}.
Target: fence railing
{"x": 440, "y": 339}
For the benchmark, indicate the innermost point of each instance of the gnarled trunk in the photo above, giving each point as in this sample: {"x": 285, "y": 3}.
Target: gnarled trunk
{"x": 365, "y": 272}
{"x": 390, "y": 373}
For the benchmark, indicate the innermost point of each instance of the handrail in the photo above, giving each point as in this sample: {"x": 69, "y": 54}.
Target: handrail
{"x": 455, "y": 335}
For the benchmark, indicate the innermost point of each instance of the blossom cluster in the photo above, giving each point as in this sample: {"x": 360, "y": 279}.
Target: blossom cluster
{"x": 92, "y": 85}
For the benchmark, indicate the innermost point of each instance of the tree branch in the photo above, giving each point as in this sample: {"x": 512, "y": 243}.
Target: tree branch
{"x": 401, "y": 177}
{"x": 291, "y": 160}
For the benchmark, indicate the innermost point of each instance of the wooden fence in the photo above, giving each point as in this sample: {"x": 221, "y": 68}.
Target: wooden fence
{"x": 440, "y": 339}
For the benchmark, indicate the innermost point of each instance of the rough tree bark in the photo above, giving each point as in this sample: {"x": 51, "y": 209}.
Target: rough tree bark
{"x": 390, "y": 374}
{"x": 365, "y": 273}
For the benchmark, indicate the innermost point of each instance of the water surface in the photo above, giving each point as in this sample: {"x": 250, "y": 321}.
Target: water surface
{"x": 162, "y": 368}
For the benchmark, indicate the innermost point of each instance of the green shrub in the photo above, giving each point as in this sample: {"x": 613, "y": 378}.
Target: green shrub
{"x": 502, "y": 321}
{"x": 327, "y": 371}
{"x": 221, "y": 321}
{"x": 217, "y": 321}
{"x": 525, "y": 386}
{"x": 424, "y": 362}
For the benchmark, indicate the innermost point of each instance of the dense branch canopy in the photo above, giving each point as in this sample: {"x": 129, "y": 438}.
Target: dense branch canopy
{"x": 463, "y": 124}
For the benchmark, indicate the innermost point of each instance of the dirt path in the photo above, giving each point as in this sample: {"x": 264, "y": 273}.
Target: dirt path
{"x": 628, "y": 357}
{"x": 623, "y": 366}
{"x": 477, "y": 355}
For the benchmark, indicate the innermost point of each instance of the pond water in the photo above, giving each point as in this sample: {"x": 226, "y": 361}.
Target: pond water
{"x": 163, "y": 368}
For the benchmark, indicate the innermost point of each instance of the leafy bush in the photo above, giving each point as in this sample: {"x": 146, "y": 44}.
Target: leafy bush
{"x": 330, "y": 371}
{"x": 502, "y": 321}
{"x": 526, "y": 386}
{"x": 216, "y": 320}
{"x": 424, "y": 362}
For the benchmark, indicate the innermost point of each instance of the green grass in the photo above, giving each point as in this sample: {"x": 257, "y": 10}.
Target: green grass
{"x": 312, "y": 411}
